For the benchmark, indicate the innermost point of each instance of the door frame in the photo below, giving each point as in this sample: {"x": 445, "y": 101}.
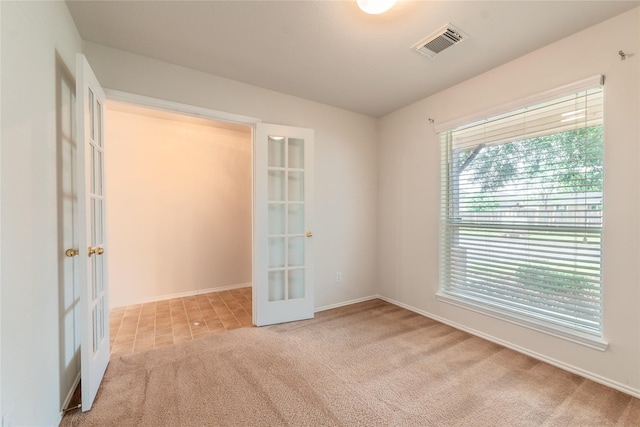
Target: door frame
{"x": 176, "y": 107}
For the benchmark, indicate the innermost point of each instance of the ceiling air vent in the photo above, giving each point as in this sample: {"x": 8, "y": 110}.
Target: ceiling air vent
{"x": 435, "y": 43}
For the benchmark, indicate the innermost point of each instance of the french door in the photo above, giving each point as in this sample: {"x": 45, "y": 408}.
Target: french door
{"x": 94, "y": 307}
{"x": 283, "y": 238}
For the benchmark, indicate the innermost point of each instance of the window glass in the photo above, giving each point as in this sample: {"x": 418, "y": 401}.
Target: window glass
{"x": 522, "y": 205}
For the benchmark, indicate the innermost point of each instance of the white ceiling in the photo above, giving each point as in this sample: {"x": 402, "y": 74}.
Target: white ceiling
{"x": 331, "y": 52}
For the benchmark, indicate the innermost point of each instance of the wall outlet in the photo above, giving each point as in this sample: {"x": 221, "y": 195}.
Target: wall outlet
{"x": 338, "y": 276}
{"x": 9, "y": 418}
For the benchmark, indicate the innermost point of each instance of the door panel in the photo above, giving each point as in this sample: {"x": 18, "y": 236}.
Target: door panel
{"x": 67, "y": 228}
{"x": 283, "y": 273}
{"x": 94, "y": 307}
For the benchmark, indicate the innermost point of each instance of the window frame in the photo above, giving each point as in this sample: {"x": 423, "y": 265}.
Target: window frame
{"x": 571, "y": 334}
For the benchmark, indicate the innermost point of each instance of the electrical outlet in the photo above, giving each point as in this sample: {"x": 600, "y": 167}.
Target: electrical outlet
{"x": 9, "y": 418}
{"x": 339, "y": 277}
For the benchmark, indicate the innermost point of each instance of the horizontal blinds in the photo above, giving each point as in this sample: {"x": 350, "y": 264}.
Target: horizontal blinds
{"x": 538, "y": 98}
{"x": 583, "y": 109}
{"x": 522, "y": 211}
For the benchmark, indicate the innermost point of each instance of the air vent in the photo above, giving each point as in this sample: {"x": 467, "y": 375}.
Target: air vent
{"x": 442, "y": 39}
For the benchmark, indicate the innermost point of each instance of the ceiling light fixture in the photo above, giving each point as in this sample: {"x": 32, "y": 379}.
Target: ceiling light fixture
{"x": 375, "y": 7}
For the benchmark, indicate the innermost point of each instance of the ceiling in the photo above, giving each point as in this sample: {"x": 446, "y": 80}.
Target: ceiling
{"x": 331, "y": 52}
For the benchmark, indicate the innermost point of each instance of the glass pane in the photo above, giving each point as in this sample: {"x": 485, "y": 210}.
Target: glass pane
{"x": 99, "y": 124}
{"x": 296, "y": 218}
{"x": 94, "y": 275}
{"x": 296, "y": 251}
{"x": 98, "y": 330}
{"x": 92, "y": 129}
{"x": 276, "y": 185}
{"x": 96, "y": 222}
{"x": 296, "y": 283}
{"x": 276, "y": 151}
{"x": 102, "y": 312}
{"x": 276, "y": 218}
{"x": 93, "y": 222}
{"x": 296, "y": 186}
{"x": 276, "y": 252}
{"x": 276, "y": 285}
{"x": 93, "y": 169}
{"x": 99, "y": 274}
{"x": 97, "y": 171}
{"x": 99, "y": 222}
{"x": 296, "y": 153}
{"x": 94, "y": 327}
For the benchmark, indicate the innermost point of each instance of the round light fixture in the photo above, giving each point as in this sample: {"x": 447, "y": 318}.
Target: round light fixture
{"x": 375, "y": 7}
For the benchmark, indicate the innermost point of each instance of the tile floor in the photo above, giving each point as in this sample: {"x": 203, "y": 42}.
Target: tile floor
{"x": 145, "y": 326}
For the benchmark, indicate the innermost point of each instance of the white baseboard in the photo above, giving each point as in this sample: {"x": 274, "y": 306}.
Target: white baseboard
{"x": 182, "y": 295}
{"x": 342, "y": 304}
{"x": 565, "y": 366}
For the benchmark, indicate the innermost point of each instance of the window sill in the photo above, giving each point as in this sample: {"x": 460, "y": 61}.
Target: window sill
{"x": 553, "y": 330}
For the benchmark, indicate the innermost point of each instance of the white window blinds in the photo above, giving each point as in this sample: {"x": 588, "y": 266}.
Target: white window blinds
{"x": 521, "y": 211}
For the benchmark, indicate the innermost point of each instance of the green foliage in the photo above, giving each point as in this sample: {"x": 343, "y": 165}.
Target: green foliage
{"x": 481, "y": 202}
{"x": 542, "y": 279}
{"x": 570, "y": 161}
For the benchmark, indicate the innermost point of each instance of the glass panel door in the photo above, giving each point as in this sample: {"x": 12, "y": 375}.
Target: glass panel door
{"x": 283, "y": 284}
{"x": 94, "y": 308}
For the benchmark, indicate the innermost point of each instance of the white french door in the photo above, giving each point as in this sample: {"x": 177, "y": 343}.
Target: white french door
{"x": 283, "y": 245}
{"x": 94, "y": 307}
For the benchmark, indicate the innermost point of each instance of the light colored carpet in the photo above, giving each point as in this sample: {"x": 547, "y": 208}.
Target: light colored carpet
{"x": 368, "y": 364}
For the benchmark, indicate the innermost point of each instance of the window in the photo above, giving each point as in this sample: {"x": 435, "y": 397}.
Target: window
{"x": 521, "y": 213}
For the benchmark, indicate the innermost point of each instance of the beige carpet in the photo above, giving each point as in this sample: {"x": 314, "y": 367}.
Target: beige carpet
{"x": 368, "y": 364}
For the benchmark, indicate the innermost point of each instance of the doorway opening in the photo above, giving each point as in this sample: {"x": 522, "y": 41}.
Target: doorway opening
{"x": 179, "y": 225}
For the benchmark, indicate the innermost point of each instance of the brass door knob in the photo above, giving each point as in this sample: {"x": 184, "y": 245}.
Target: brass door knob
{"x": 309, "y": 234}
{"x": 97, "y": 251}
{"x": 71, "y": 252}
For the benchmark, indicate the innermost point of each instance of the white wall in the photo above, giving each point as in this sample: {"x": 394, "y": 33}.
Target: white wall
{"x": 31, "y": 34}
{"x": 409, "y": 191}
{"x": 345, "y": 158}
{"x": 179, "y": 206}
